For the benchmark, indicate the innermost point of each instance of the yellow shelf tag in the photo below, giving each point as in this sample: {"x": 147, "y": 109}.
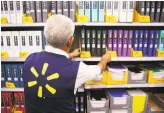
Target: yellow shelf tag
{"x": 82, "y": 18}
{"x": 10, "y": 85}
{"x": 110, "y": 18}
{"x": 4, "y": 20}
{"x": 85, "y": 54}
{"x": 112, "y": 53}
{"x": 136, "y": 53}
{"x": 18, "y": 112}
{"x": 140, "y": 18}
{"x": 27, "y": 19}
{"x": 24, "y": 54}
{"x": 160, "y": 53}
{"x": 4, "y": 55}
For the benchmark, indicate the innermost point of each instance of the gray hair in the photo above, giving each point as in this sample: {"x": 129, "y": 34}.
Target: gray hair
{"x": 57, "y": 30}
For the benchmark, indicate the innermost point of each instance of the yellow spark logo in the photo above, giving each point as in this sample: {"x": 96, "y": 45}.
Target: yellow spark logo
{"x": 47, "y": 86}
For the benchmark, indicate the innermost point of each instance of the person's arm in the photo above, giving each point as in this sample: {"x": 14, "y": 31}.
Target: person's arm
{"x": 75, "y": 53}
{"x": 91, "y": 72}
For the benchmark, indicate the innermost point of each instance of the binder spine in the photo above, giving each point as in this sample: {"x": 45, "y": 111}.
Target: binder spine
{"x": 145, "y": 42}
{"x": 72, "y": 10}
{"x": 83, "y": 40}
{"x": 103, "y": 44}
{"x": 93, "y": 43}
{"x": 130, "y": 36}
{"x": 98, "y": 43}
{"x": 152, "y": 11}
{"x": 120, "y": 37}
{"x": 88, "y": 40}
{"x": 110, "y": 40}
{"x": 28, "y": 8}
{"x": 140, "y": 40}
{"x": 53, "y": 9}
{"x": 65, "y": 8}
{"x": 38, "y": 11}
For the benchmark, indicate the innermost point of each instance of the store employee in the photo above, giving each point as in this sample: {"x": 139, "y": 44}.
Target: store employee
{"x": 51, "y": 78}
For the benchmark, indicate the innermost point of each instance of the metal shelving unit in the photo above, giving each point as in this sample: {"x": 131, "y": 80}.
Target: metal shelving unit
{"x": 95, "y": 59}
{"x": 124, "y": 86}
{"x": 87, "y": 24}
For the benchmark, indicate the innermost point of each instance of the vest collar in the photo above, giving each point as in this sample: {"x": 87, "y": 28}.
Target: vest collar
{"x": 56, "y": 51}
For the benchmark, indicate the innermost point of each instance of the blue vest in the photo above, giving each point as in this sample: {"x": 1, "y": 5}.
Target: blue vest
{"x": 49, "y": 81}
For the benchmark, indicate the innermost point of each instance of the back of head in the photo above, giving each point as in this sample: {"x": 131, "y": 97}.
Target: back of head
{"x": 57, "y": 30}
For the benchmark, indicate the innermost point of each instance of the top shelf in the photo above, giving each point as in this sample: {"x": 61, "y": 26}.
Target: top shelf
{"x": 86, "y": 24}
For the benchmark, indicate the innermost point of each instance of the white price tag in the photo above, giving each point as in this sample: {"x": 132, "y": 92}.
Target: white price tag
{"x": 9, "y": 78}
{"x": 88, "y": 45}
{"x": 125, "y": 46}
{"x": 152, "y": 10}
{"x": 93, "y": 45}
{"x": 115, "y": 45}
{"x": 145, "y": 45}
{"x": 109, "y": 45}
{"x": 155, "y": 45}
{"x": 148, "y": 9}
{"x": 135, "y": 45}
{"x": 119, "y": 45}
{"x": 151, "y": 45}
{"x": 140, "y": 45}
{"x": 83, "y": 45}
{"x": 158, "y": 10}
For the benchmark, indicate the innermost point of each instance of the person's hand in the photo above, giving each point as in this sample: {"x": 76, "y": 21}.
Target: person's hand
{"x": 106, "y": 57}
{"x": 76, "y": 53}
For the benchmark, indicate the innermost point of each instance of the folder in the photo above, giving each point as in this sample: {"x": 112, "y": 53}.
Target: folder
{"x": 130, "y": 36}
{"x": 94, "y": 11}
{"x": 142, "y": 7}
{"x": 152, "y": 11}
{"x": 135, "y": 40}
{"x": 150, "y": 43}
{"x": 20, "y": 72}
{"x": 3, "y": 75}
{"x": 16, "y": 43}
{"x": 59, "y": 7}
{"x": 6, "y": 11}
{"x": 161, "y": 40}
{"x": 123, "y": 11}
{"x": 125, "y": 40}
{"x": 17, "y": 101}
{"x": 130, "y": 7}
{"x": 19, "y": 11}
{"x": 103, "y": 42}
{"x": 162, "y": 13}
{"x": 120, "y": 40}
{"x": 9, "y": 45}
{"x": 108, "y": 8}
{"x": 110, "y": 40}
{"x": 37, "y": 41}
{"x": 53, "y": 7}
{"x": 81, "y": 7}
{"x": 101, "y": 11}
{"x": 24, "y": 42}
{"x": 22, "y": 102}
{"x": 140, "y": 38}
{"x": 45, "y": 10}
{"x": 27, "y": 8}
{"x": 116, "y": 9}
{"x": 3, "y": 103}
{"x": 83, "y": 40}
{"x": 65, "y": 8}
{"x": 98, "y": 47}
{"x": 9, "y": 102}
{"x": 88, "y": 39}
{"x": 72, "y": 6}
{"x": 38, "y": 6}
{"x": 15, "y": 76}
{"x": 12, "y": 10}
{"x": 145, "y": 42}
{"x": 30, "y": 39}
{"x": 147, "y": 8}
{"x": 87, "y": 10}
{"x": 114, "y": 41}
{"x": 93, "y": 42}
{"x": 157, "y": 11}
{"x": 155, "y": 42}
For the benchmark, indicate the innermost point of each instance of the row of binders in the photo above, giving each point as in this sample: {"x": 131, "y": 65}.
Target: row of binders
{"x": 124, "y": 101}
{"x": 80, "y": 102}
{"x": 12, "y": 72}
{"x": 154, "y": 9}
{"x": 12, "y": 102}
{"x": 122, "y": 41}
{"x": 38, "y": 10}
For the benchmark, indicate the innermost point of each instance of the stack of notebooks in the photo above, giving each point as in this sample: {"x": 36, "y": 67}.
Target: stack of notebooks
{"x": 10, "y": 100}
{"x": 154, "y": 9}
{"x": 12, "y": 72}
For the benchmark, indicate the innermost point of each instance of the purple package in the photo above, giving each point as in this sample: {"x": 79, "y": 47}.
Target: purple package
{"x": 124, "y": 43}
{"x": 130, "y": 35}
{"x": 109, "y": 40}
{"x": 114, "y": 41}
{"x": 119, "y": 43}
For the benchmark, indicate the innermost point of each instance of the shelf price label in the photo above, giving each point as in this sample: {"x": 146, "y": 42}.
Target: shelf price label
{"x": 4, "y": 55}
{"x": 27, "y": 19}
{"x": 4, "y": 20}
{"x": 24, "y": 54}
{"x": 10, "y": 85}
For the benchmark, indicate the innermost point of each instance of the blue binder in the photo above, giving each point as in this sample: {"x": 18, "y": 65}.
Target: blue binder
{"x": 150, "y": 43}
{"x": 140, "y": 40}
{"x": 8, "y": 73}
{"x": 145, "y": 42}
{"x": 135, "y": 40}
{"x": 15, "y": 76}
{"x": 3, "y": 77}
{"x": 155, "y": 41}
{"x": 20, "y": 71}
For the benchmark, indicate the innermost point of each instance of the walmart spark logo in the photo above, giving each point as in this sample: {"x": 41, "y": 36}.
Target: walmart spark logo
{"x": 50, "y": 77}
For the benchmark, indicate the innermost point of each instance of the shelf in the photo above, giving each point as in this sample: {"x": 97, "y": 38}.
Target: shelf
{"x": 124, "y": 86}
{"x": 96, "y": 59}
{"x": 86, "y": 24}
